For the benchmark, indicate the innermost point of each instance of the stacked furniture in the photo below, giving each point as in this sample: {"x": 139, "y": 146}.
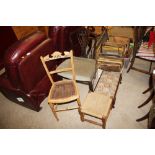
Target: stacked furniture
{"x": 112, "y": 53}
{"x": 99, "y": 103}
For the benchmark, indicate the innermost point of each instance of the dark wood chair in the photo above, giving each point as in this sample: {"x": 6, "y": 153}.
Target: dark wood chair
{"x": 151, "y": 113}
{"x": 140, "y": 51}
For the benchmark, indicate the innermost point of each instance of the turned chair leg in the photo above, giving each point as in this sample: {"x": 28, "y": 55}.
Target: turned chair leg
{"x": 53, "y": 110}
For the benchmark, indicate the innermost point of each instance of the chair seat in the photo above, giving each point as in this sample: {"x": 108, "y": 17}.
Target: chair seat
{"x": 97, "y": 105}
{"x": 108, "y": 83}
{"x": 84, "y": 69}
{"x": 62, "y": 90}
{"x": 146, "y": 53}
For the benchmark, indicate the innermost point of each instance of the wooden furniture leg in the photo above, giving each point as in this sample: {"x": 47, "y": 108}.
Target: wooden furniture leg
{"x": 147, "y": 90}
{"x": 143, "y": 118}
{"x": 103, "y": 123}
{"x": 53, "y": 110}
{"x": 148, "y": 100}
{"x": 131, "y": 64}
{"x": 150, "y": 85}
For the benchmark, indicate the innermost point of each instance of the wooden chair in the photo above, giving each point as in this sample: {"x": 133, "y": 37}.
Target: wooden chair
{"x": 81, "y": 38}
{"x": 116, "y": 46}
{"x": 106, "y": 62}
{"x": 63, "y": 91}
{"x": 96, "y": 105}
{"x": 84, "y": 66}
{"x": 140, "y": 52}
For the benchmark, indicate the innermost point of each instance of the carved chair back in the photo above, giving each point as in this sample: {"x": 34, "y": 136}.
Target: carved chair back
{"x": 58, "y": 55}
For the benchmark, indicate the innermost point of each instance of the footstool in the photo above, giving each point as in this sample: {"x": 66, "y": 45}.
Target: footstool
{"x": 108, "y": 84}
{"x": 96, "y": 105}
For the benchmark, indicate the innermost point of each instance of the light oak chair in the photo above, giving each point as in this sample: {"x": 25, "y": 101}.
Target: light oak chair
{"x": 63, "y": 91}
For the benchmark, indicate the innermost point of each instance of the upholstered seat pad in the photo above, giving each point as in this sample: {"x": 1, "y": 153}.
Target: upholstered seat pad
{"x": 63, "y": 89}
{"x": 146, "y": 53}
{"x": 108, "y": 83}
{"x": 84, "y": 69}
{"x": 97, "y": 105}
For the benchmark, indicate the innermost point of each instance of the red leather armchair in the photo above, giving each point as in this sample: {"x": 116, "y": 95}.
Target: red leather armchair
{"x": 25, "y": 81}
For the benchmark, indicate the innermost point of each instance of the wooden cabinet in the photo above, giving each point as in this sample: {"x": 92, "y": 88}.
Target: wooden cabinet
{"x": 22, "y": 31}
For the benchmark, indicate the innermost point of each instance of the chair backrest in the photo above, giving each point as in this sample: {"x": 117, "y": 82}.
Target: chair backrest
{"x": 58, "y": 55}
{"x": 139, "y": 32}
{"x": 23, "y": 48}
{"x": 100, "y": 40}
{"x": 80, "y": 39}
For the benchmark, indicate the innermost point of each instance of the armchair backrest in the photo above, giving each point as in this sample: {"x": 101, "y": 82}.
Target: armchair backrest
{"x": 30, "y": 68}
{"x": 14, "y": 55}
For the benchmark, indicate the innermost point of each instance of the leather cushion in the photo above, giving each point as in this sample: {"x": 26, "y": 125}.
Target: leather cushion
{"x": 30, "y": 68}
{"x": 16, "y": 51}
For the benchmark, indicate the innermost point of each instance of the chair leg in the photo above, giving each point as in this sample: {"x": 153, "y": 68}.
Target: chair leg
{"x": 79, "y": 102}
{"x": 113, "y": 102}
{"x": 82, "y": 116}
{"x": 120, "y": 81}
{"x": 53, "y": 110}
{"x": 131, "y": 63}
{"x": 79, "y": 109}
{"x": 150, "y": 67}
{"x": 144, "y": 117}
{"x": 147, "y": 101}
{"x": 150, "y": 85}
{"x": 103, "y": 123}
{"x": 147, "y": 90}
{"x": 91, "y": 86}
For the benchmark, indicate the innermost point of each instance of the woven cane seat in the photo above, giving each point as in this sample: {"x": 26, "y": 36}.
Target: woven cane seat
{"x": 63, "y": 89}
{"x": 97, "y": 105}
{"x": 108, "y": 83}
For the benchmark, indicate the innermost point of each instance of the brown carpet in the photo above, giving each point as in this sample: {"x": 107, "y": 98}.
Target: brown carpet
{"x": 123, "y": 116}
